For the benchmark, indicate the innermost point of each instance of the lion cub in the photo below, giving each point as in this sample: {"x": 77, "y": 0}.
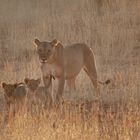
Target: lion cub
{"x": 37, "y": 95}
{"x": 14, "y": 95}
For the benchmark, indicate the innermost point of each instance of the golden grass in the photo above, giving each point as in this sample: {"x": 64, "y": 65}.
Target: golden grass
{"x": 111, "y": 28}
{"x": 116, "y": 116}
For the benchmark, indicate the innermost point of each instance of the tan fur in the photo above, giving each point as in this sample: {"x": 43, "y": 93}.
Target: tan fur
{"x": 14, "y": 95}
{"x": 37, "y": 95}
{"x": 65, "y": 63}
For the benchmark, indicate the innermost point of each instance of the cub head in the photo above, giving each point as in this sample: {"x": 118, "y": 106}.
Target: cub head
{"x": 32, "y": 84}
{"x": 46, "y": 50}
{"x": 9, "y": 89}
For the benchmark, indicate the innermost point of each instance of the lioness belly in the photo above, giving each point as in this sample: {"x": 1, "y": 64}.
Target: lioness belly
{"x": 71, "y": 69}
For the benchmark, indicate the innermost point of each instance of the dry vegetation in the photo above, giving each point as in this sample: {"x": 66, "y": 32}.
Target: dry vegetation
{"x": 112, "y": 29}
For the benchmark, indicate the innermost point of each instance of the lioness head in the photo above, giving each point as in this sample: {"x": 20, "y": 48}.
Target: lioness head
{"x": 32, "y": 84}
{"x": 46, "y": 50}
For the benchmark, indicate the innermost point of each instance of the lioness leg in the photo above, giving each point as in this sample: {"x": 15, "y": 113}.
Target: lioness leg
{"x": 61, "y": 83}
{"x": 48, "y": 87}
{"x": 90, "y": 69}
{"x": 71, "y": 84}
{"x": 94, "y": 82}
{"x": 91, "y": 72}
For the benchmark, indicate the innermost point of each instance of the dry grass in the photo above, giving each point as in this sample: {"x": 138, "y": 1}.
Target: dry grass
{"x": 111, "y": 28}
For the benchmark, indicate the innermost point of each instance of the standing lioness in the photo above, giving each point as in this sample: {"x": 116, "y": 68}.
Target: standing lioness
{"x": 64, "y": 63}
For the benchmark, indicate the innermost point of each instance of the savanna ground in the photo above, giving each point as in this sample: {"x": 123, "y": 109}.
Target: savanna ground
{"x": 112, "y": 29}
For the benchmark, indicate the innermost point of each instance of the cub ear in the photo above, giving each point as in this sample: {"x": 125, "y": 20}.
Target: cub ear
{"x": 37, "y": 42}
{"x": 4, "y": 84}
{"x": 15, "y": 85}
{"x": 54, "y": 43}
{"x": 26, "y": 80}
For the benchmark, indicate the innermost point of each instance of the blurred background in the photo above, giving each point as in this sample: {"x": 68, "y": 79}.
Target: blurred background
{"x": 110, "y": 27}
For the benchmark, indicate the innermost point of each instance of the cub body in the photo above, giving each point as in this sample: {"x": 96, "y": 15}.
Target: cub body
{"x": 14, "y": 96}
{"x": 37, "y": 95}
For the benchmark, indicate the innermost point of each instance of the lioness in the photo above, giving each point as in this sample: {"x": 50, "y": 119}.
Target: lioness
{"x": 65, "y": 63}
{"x": 14, "y": 95}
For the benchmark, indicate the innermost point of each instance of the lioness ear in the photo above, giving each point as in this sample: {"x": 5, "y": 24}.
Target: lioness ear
{"x": 4, "y": 85}
{"x": 54, "y": 43}
{"x": 26, "y": 80}
{"x": 37, "y": 42}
